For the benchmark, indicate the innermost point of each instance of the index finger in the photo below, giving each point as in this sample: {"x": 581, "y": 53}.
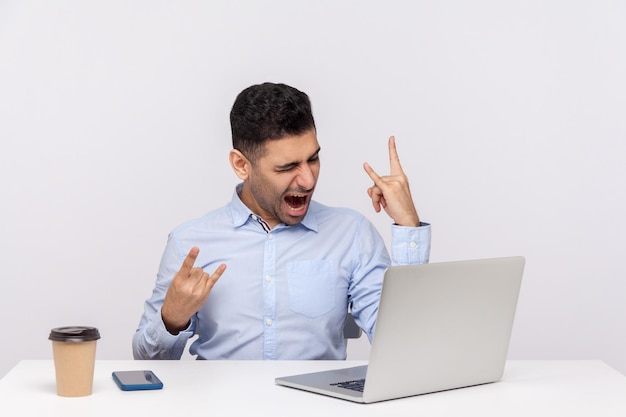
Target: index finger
{"x": 190, "y": 259}
{"x": 394, "y": 159}
{"x": 373, "y": 175}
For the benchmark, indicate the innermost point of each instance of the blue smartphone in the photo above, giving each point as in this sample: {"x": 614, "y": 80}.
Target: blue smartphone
{"x": 136, "y": 380}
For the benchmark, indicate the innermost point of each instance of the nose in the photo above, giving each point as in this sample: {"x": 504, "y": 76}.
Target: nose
{"x": 307, "y": 177}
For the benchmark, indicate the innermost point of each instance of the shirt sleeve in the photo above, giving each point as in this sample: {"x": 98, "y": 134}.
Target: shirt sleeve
{"x": 410, "y": 245}
{"x": 152, "y": 340}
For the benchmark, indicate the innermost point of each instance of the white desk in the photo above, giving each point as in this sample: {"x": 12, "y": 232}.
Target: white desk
{"x": 244, "y": 388}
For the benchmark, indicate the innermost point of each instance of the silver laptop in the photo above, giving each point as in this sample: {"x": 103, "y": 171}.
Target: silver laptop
{"x": 440, "y": 326}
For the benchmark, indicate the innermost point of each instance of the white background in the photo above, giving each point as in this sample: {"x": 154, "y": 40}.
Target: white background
{"x": 510, "y": 119}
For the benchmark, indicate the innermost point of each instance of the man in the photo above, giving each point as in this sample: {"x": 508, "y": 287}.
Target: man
{"x": 294, "y": 265}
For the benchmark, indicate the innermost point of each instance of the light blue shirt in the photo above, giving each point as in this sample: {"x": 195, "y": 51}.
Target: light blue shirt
{"x": 285, "y": 293}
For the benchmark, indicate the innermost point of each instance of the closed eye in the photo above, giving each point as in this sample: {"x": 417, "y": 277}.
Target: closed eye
{"x": 286, "y": 168}
{"x": 292, "y": 165}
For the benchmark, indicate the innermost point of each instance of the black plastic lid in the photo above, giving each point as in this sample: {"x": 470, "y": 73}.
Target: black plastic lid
{"x": 74, "y": 334}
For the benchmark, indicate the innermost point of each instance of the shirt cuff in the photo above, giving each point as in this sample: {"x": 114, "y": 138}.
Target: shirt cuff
{"x": 167, "y": 345}
{"x": 410, "y": 245}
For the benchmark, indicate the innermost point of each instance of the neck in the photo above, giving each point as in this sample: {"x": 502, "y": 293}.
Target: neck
{"x": 246, "y": 198}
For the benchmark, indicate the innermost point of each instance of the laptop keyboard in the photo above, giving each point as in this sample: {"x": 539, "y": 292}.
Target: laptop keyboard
{"x": 356, "y": 385}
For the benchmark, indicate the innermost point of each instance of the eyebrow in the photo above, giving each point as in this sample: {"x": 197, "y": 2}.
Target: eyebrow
{"x": 295, "y": 163}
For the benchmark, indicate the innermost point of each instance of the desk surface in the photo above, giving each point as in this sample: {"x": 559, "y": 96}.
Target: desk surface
{"x": 238, "y": 388}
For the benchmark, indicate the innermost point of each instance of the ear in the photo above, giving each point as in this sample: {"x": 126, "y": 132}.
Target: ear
{"x": 241, "y": 165}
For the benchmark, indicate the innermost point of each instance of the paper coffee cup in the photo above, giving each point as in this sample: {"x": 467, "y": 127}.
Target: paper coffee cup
{"x": 74, "y": 351}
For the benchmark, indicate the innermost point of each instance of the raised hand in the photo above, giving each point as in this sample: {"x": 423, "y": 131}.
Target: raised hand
{"x": 392, "y": 192}
{"x": 187, "y": 292}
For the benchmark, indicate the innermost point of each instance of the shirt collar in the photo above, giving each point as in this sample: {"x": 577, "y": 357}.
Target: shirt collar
{"x": 242, "y": 214}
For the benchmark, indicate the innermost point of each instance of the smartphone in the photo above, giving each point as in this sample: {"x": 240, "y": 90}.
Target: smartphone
{"x": 136, "y": 380}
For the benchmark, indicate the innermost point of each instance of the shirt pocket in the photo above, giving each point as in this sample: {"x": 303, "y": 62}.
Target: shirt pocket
{"x": 311, "y": 287}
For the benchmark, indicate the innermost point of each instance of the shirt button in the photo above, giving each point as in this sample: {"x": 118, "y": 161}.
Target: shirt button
{"x": 412, "y": 244}
{"x": 270, "y": 236}
{"x": 268, "y": 278}
{"x": 268, "y": 322}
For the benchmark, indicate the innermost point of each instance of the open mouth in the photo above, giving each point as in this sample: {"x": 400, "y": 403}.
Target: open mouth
{"x": 296, "y": 202}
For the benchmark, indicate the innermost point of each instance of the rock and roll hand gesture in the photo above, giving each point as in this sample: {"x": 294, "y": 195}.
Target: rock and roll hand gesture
{"x": 391, "y": 192}
{"x": 187, "y": 293}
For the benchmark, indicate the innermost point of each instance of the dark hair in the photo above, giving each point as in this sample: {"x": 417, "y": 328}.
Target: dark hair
{"x": 265, "y": 112}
